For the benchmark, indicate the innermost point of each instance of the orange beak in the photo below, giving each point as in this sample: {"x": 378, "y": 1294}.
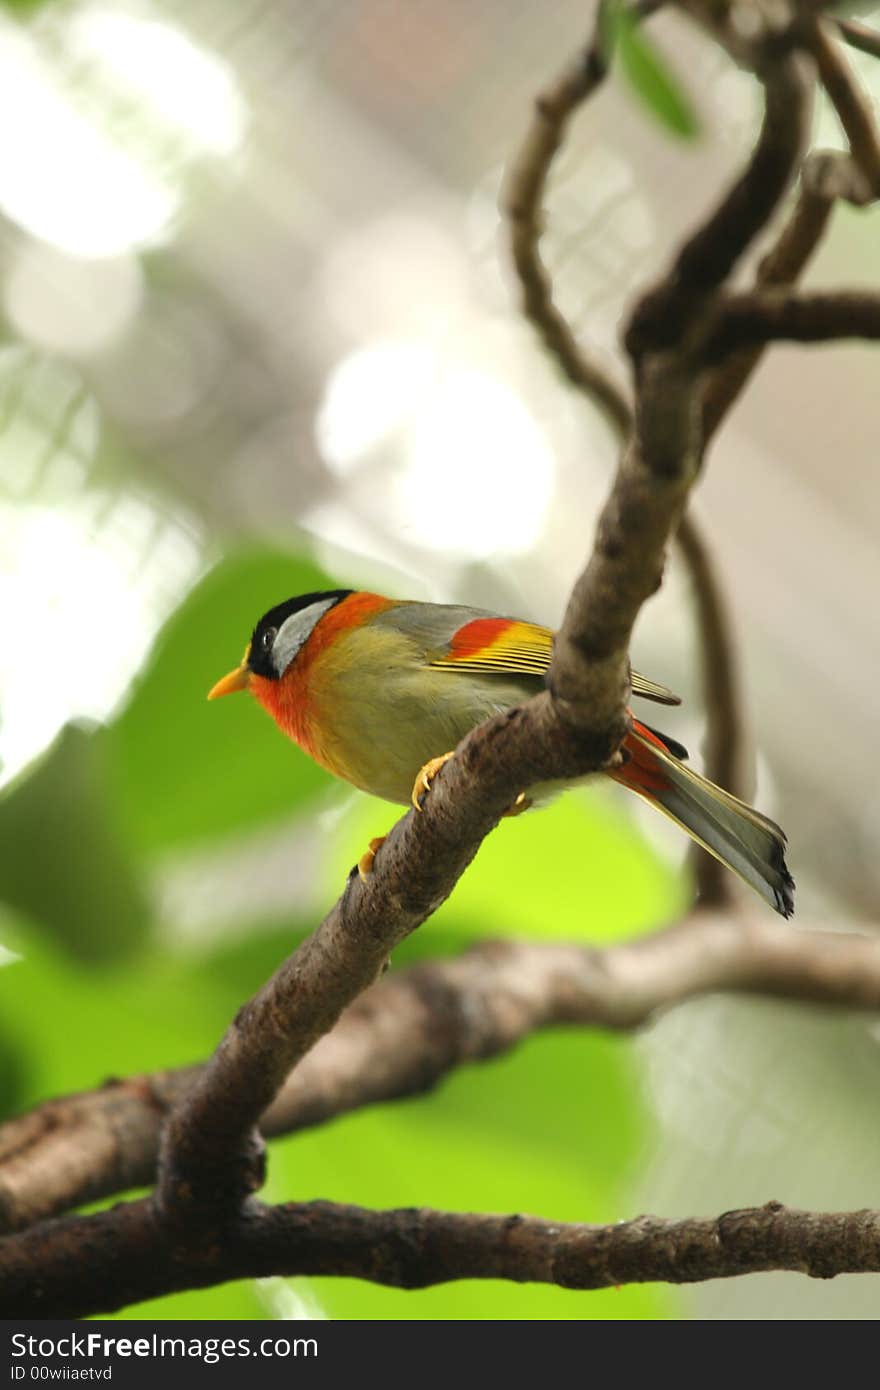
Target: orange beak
{"x": 239, "y": 679}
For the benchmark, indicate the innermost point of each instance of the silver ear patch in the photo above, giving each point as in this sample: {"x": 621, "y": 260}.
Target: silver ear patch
{"x": 295, "y": 632}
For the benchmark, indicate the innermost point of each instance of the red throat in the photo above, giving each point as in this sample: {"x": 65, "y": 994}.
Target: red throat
{"x": 287, "y": 702}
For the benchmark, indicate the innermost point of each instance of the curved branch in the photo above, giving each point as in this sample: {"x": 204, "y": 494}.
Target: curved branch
{"x": 525, "y": 186}
{"x": 410, "y": 1030}
{"x": 131, "y": 1257}
{"x": 826, "y": 176}
{"x": 667, "y": 314}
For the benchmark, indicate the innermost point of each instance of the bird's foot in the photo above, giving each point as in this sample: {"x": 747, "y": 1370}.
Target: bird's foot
{"x": 365, "y": 863}
{"x": 521, "y": 804}
{"x": 422, "y": 784}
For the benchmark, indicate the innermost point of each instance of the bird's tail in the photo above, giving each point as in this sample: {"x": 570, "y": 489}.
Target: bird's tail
{"x": 747, "y": 842}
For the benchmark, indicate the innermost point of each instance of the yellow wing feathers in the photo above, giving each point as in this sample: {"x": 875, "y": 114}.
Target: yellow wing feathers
{"x": 651, "y": 690}
{"x": 502, "y": 646}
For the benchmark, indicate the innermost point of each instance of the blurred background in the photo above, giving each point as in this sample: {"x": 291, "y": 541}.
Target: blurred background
{"x": 259, "y": 336}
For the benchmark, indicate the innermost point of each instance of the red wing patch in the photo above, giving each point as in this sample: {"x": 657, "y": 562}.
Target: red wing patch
{"x": 475, "y": 637}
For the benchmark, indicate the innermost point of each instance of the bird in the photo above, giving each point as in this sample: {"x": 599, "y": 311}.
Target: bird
{"x": 380, "y": 691}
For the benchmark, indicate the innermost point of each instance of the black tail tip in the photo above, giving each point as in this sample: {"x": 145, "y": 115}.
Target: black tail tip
{"x": 780, "y": 881}
{"x": 785, "y": 893}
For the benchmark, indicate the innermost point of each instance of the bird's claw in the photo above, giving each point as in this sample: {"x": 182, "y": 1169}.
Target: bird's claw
{"x": 521, "y": 804}
{"x": 365, "y": 863}
{"x": 422, "y": 784}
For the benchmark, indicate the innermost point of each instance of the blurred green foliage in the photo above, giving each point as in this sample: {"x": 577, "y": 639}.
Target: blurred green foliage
{"x": 185, "y": 771}
{"x": 64, "y": 860}
{"x": 553, "y": 1129}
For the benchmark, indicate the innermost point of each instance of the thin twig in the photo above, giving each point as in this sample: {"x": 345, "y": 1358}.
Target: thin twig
{"x": 523, "y": 198}
{"x": 823, "y": 178}
{"x": 708, "y": 257}
{"x": 853, "y": 107}
{"x": 860, "y": 36}
{"x": 826, "y": 176}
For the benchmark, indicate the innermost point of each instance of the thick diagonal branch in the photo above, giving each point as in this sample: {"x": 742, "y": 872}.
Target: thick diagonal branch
{"x": 212, "y": 1152}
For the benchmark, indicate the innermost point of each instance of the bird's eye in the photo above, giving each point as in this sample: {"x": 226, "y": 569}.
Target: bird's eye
{"x": 268, "y": 638}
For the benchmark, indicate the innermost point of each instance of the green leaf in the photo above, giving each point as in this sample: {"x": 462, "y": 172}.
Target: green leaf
{"x": 15, "y": 1070}
{"x": 186, "y": 771}
{"x": 647, "y": 72}
{"x": 77, "y": 1024}
{"x": 66, "y": 1028}
{"x": 65, "y": 861}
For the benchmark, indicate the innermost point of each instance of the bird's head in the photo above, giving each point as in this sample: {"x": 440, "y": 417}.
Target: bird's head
{"x": 277, "y": 640}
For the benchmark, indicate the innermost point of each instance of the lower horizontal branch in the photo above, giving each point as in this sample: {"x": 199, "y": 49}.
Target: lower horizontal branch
{"x": 97, "y": 1264}
{"x": 409, "y": 1031}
